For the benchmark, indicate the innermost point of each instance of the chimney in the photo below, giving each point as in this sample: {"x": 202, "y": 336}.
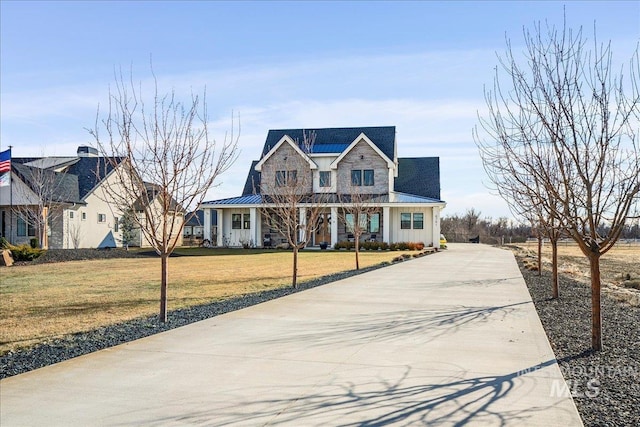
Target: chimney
{"x": 86, "y": 151}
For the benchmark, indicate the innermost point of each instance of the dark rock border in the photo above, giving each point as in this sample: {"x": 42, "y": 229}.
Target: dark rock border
{"x": 605, "y": 385}
{"x": 60, "y": 349}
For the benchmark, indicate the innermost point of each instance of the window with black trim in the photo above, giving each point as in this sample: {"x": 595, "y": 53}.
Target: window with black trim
{"x": 349, "y": 222}
{"x": 325, "y": 179}
{"x": 405, "y": 221}
{"x": 368, "y": 177}
{"x": 374, "y": 223}
{"x": 236, "y": 221}
{"x": 286, "y": 178}
{"x": 292, "y": 178}
{"x": 102, "y": 218}
{"x": 246, "y": 221}
{"x": 25, "y": 228}
{"x": 418, "y": 221}
{"x": 356, "y": 177}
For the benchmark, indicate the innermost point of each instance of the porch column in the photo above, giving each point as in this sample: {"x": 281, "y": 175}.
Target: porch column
{"x": 253, "y": 221}
{"x": 436, "y": 226}
{"x": 220, "y": 227}
{"x": 334, "y": 226}
{"x": 386, "y": 224}
{"x": 206, "y": 231}
{"x": 303, "y": 223}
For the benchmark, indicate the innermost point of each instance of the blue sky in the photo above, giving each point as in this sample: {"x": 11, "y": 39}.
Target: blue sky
{"x": 420, "y": 66}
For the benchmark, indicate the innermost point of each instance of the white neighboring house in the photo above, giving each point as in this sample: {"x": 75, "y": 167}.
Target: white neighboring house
{"x": 80, "y": 216}
{"x": 406, "y": 190}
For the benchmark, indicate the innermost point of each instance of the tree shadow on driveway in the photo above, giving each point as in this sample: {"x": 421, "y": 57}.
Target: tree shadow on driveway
{"x": 419, "y": 326}
{"x": 409, "y": 400}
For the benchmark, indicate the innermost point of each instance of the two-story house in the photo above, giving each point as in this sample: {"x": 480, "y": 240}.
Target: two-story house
{"x": 405, "y": 190}
{"x": 79, "y": 212}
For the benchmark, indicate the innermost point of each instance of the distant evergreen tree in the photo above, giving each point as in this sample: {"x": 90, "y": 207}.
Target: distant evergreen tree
{"x": 128, "y": 229}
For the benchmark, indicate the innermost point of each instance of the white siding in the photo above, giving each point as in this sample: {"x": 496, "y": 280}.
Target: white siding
{"x": 411, "y": 235}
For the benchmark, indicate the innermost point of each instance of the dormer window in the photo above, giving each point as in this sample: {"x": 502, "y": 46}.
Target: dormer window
{"x": 325, "y": 179}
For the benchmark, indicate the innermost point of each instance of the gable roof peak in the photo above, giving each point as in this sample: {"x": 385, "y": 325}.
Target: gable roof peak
{"x": 336, "y": 140}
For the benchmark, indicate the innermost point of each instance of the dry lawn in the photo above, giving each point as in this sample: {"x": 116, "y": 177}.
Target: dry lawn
{"x": 615, "y": 266}
{"x": 40, "y": 302}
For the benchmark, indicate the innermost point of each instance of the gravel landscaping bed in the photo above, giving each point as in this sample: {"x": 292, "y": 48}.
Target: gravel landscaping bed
{"x": 57, "y": 350}
{"x": 605, "y": 385}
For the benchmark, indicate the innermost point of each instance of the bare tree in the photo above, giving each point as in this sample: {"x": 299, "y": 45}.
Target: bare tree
{"x": 569, "y": 124}
{"x": 42, "y": 197}
{"x": 289, "y": 204}
{"x": 525, "y": 195}
{"x": 163, "y": 160}
{"x": 74, "y": 235}
{"x": 355, "y": 211}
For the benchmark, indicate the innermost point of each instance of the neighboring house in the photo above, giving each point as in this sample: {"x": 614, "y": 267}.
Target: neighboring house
{"x": 80, "y": 214}
{"x": 406, "y": 190}
{"x": 193, "y": 233}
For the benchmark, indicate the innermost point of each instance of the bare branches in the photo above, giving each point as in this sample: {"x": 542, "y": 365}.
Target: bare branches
{"x": 561, "y": 142}
{"x": 355, "y": 211}
{"x": 160, "y": 159}
{"x": 289, "y": 204}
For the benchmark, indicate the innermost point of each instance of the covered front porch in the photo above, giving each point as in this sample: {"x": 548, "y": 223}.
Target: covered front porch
{"x": 246, "y": 226}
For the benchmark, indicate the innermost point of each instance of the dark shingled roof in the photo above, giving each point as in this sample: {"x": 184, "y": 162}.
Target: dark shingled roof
{"x": 90, "y": 171}
{"x": 384, "y": 137}
{"x": 252, "y": 184}
{"x": 64, "y": 187}
{"x": 198, "y": 218}
{"x": 419, "y": 176}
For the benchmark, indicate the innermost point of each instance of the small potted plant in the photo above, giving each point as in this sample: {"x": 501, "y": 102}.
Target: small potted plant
{"x": 324, "y": 245}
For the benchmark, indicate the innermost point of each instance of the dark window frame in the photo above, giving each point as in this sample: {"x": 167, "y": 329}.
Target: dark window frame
{"x": 286, "y": 178}
{"x": 368, "y": 179}
{"x": 405, "y": 221}
{"x": 377, "y": 223}
{"x": 418, "y": 224}
{"x": 326, "y": 181}
{"x": 356, "y": 177}
{"x": 246, "y": 221}
{"x": 236, "y": 221}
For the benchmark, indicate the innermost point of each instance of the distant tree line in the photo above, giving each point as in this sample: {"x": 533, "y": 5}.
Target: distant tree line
{"x": 463, "y": 227}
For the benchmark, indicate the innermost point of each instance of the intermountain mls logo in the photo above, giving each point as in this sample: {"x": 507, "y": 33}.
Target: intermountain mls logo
{"x": 575, "y": 388}
{"x": 586, "y": 382}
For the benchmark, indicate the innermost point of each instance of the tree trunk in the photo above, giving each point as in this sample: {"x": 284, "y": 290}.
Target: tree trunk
{"x": 164, "y": 259}
{"x": 554, "y": 268}
{"x": 295, "y": 267}
{"x": 357, "y": 248}
{"x": 596, "y": 317}
{"x": 539, "y": 253}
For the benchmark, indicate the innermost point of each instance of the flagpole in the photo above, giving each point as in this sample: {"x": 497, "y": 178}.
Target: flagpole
{"x": 10, "y": 198}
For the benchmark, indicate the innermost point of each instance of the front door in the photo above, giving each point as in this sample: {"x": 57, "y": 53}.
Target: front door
{"x": 323, "y": 229}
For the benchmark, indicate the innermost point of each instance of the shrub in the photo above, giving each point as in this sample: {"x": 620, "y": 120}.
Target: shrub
{"x": 25, "y": 252}
{"x": 344, "y": 245}
{"x": 4, "y": 244}
{"x": 33, "y": 242}
{"x": 407, "y": 246}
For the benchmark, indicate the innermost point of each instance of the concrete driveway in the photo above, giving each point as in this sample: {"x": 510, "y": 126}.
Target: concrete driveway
{"x": 449, "y": 339}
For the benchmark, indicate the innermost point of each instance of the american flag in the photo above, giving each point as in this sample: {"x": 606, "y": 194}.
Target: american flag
{"x": 5, "y": 161}
{"x": 5, "y": 167}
